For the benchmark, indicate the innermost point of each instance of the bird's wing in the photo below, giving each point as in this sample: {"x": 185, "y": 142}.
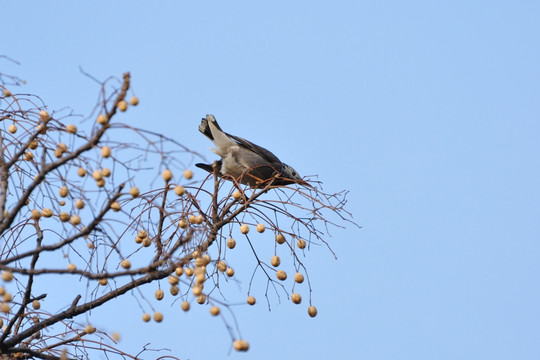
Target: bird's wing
{"x": 259, "y": 150}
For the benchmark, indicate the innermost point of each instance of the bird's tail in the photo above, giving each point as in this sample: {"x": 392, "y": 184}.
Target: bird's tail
{"x": 205, "y": 126}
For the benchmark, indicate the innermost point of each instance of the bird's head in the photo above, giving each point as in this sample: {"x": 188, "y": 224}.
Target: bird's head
{"x": 290, "y": 174}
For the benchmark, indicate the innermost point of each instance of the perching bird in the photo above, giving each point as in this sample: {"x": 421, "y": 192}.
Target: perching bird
{"x": 244, "y": 161}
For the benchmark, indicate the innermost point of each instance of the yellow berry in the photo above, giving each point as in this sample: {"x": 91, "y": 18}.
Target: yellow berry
{"x": 28, "y": 156}
{"x": 231, "y": 243}
{"x": 75, "y": 220}
{"x": 100, "y": 183}
{"x": 63, "y": 192}
{"x": 142, "y": 234}
{"x": 72, "y": 129}
{"x": 296, "y": 298}
{"x": 89, "y": 329}
{"x": 230, "y": 272}
{"x": 237, "y": 195}
{"x": 179, "y": 190}
{"x": 102, "y": 119}
{"x": 134, "y": 101}
{"x": 185, "y": 306}
{"x": 81, "y": 172}
{"x": 35, "y": 214}
{"x": 301, "y": 244}
{"x": 188, "y": 174}
{"x": 222, "y": 265}
{"x": 244, "y": 229}
{"x": 299, "y": 278}
{"x": 7, "y": 276}
{"x": 275, "y": 261}
{"x": 189, "y": 272}
{"x": 122, "y": 105}
{"x": 281, "y": 275}
{"x": 106, "y": 172}
{"x": 251, "y": 300}
{"x": 146, "y": 317}
{"x": 173, "y": 280}
{"x": 64, "y": 217}
{"x": 115, "y": 336}
{"x": 146, "y": 242}
{"x": 174, "y": 290}
{"x": 12, "y": 128}
{"x": 159, "y": 294}
{"x": 7, "y": 93}
{"x": 105, "y": 151}
{"x": 71, "y": 267}
{"x": 33, "y": 144}
{"x": 312, "y": 311}
{"x": 280, "y": 239}
{"x": 134, "y": 191}
{"x": 206, "y": 259}
{"x": 36, "y": 304}
{"x": 241, "y": 345}
{"x": 126, "y": 264}
{"x": 79, "y": 204}
{"x": 46, "y": 212}
{"x": 197, "y": 289}
{"x": 183, "y": 223}
{"x": 201, "y": 299}
{"x": 103, "y": 281}
{"x": 115, "y": 206}
{"x": 44, "y": 115}
{"x": 214, "y": 310}
{"x": 7, "y": 297}
{"x": 167, "y": 175}
{"x": 192, "y": 219}
{"x": 5, "y": 308}
{"x": 178, "y": 271}
{"x": 260, "y": 228}
{"x": 158, "y": 317}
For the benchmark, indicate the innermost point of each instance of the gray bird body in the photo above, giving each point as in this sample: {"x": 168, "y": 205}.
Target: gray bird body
{"x": 245, "y": 161}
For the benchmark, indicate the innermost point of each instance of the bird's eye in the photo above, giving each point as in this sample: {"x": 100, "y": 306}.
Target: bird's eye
{"x": 294, "y": 173}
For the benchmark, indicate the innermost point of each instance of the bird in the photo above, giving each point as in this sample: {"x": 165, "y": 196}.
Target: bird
{"x": 245, "y": 162}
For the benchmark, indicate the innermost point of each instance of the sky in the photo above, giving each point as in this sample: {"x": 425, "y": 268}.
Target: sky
{"x": 427, "y": 112}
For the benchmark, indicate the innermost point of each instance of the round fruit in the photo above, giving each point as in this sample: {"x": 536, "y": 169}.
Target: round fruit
{"x": 115, "y": 336}
{"x": 158, "y": 317}
{"x": 188, "y": 174}
{"x": 33, "y": 144}
{"x": 44, "y": 115}
{"x": 36, "y": 304}
{"x": 115, "y": 206}
{"x": 103, "y": 281}
{"x": 296, "y": 298}
{"x": 167, "y": 175}
{"x": 230, "y": 272}
{"x": 201, "y": 299}
{"x": 159, "y": 294}
{"x": 72, "y": 129}
{"x": 244, "y": 229}
{"x": 106, "y": 172}
{"x": 102, "y": 119}
{"x": 312, "y": 311}
{"x": 260, "y": 228}
{"x": 100, "y": 183}
{"x": 28, "y": 156}
{"x": 72, "y": 267}
{"x": 126, "y": 264}
{"x": 63, "y": 192}
{"x": 146, "y": 317}
{"x": 35, "y": 214}
{"x": 146, "y": 242}
{"x": 189, "y": 272}
{"x": 7, "y": 276}
{"x": 241, "y": 345}
{"x": 64, "y": 217}
{"x": 173, "y": 280}
{"x": 122, "y": 105}
{"x": 81, "y": 172}
{"x": 79, "y": 204}
{"x": 185, "y": 306}
{"x": 237, "y": 195}
{"x": 46, "y": 213}
{"x": 183, "y": 223}
{"x": 174, "y": 290}
{"x": 214, "y": 310}
{"x": 142, "y": 234}
{"x": 222, "y": 266}
{"x": 231, "y": 243}
{"x": 280, "y": 239}
{"x": 5, "y": 308}
{"x": 105, "y": 151}
{"x": 179, "y": 190}
{"x": 7, "y": 93}
{"x": 134, "y": 101}
{"x": 179, "y": 271}
{"x": 301, "y": 244}
{"x": 75, "y": 220}
{"x": 89, "y": 329}
{"x": 275, "y": 261}
{"x": 197, "y": 289}
{"x": 299, "y": 278}
{"x": 251, "y": 300}
{"x": 281, "y": 275}
{"x": 12, "y": 128}
{"x": 134, "y": 191}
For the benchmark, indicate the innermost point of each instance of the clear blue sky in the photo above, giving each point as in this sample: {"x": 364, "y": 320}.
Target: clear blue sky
{"x": 428, "y": 112}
